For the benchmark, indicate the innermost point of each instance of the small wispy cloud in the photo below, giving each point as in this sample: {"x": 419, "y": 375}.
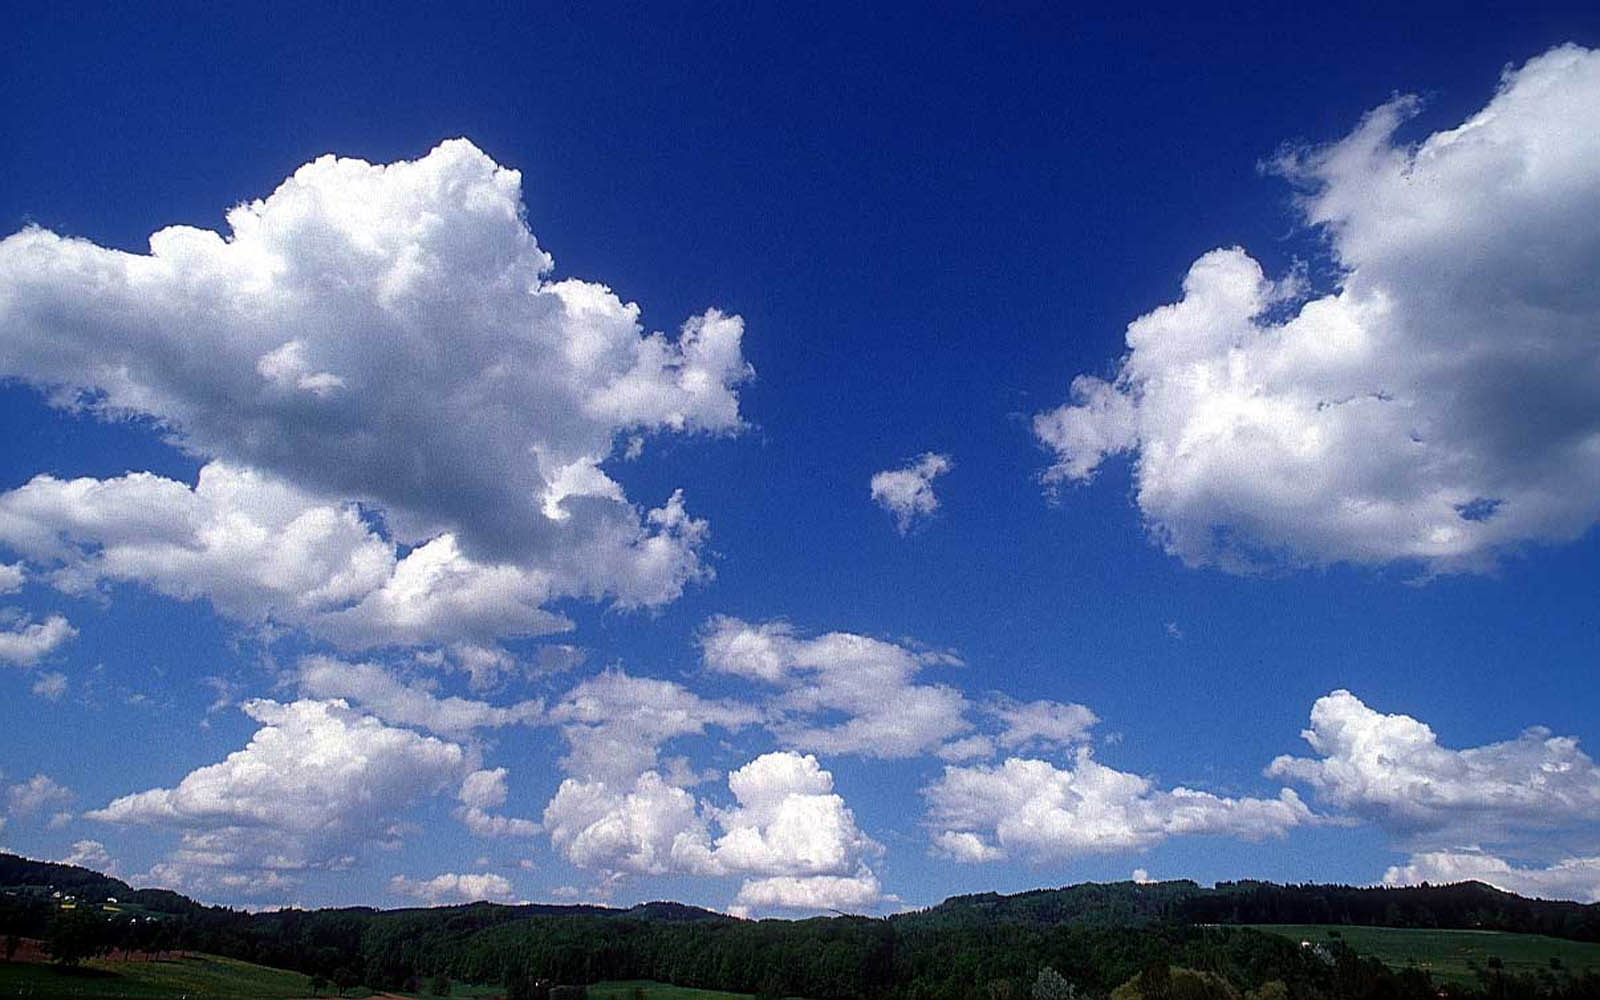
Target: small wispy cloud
{"x": 907, "y": 492}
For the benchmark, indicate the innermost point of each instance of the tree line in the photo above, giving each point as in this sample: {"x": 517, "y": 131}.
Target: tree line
{"x": 1170, "y": 941}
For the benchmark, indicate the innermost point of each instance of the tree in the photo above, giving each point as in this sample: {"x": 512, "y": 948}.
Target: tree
{"x": 439, "y": 985}
{"x": 521, "y": 985}
{"x": 13, "y": 942}
{"x": 319, "y": 982}
{"x": 1052, "y": 985}
{"x": 343, "y": 979}
{"x": 164, "y": 939}
{"x": 770, "y": 990}
{"x": 1160, "y": 980}
{"x": 75, "y": 935}
{"x": 1155, "y": 981}
{"x": 1003, "y": 989}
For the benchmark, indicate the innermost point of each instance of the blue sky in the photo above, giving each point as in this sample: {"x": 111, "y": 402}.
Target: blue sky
{"x": 928, "y": 616}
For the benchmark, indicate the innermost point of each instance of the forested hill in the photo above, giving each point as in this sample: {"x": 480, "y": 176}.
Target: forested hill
{"x": 1465, "y": 905}
{"x": 1111, "y": 904}
{"x": 25, "y": 873}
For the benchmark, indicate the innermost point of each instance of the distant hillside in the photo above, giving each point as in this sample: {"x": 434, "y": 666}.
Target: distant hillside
{"x": 1110, "y": 904}
{"x": 1462, "y": 906}
{"x": 19, "y": 873}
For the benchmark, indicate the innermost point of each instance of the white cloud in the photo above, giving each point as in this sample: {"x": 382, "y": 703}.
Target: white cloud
{"x": 37, "y": 793}
{"x": 813, "y": 893}
{"x": 1439, "y": 407}
{"x": 315, "y": 782}
{"x": 385, "y": 335}
{"x": 646, "y": 827}
{"x": 964, "y": 846}
{"x": 26, "y": 643}
{"x": 453, "y": 888}
{"x": 617, "y": 811}
{"x": 842, "y": 693}
{"x": 50, "y": 686}
{"x": 615, "y": 723}
{"x": 867, "y": 681}
{"x": 201, "y": 879}
{"x": 788, "y": 821}
{"x": 1033, "y": 810}
{"x": 91, "y": 854}
{"x": 1041, "y": 723}
{"x": 787, "y": 829}
{"x": 1571, "y": 878}
{"x": 263, "y": 551}
{"x": 482, "y": 823}
{"x": 378, "y": 691}
{"x": 967, "y": 748}
{"x": 1391, "y": 768}
{"x": 12, "y": 577}
{"x": 484, "y": 790}
{"x": 907, "y": 492}
{"x": 438, "y": 594}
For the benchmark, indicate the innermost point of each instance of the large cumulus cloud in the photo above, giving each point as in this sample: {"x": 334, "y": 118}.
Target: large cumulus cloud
{"x": 1391, "y": 768}
{"x": 844, "y": 693}
{"x": 788, "y": 832}
{"x": 388, "y": 335}
{"x": 1570, "y": 878}
{"x": 315, "y": 783}
{"x": 1033, "y": 810}
{"x": 1441, "y": 407}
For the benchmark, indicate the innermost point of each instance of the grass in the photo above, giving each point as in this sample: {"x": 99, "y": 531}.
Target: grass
{"x": 612, "y": 990}
{"x": 1450, "y": 955}
{"x": 197, "y": 975}
{"x": 164, "y": 979}
{"x": 461, "y": 991}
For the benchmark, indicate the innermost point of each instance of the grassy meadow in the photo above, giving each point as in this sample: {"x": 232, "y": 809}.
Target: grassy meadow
{"x": 196, "y": 975}
{"x": 166, "y": 978}
{"x": 1451, "y": 955}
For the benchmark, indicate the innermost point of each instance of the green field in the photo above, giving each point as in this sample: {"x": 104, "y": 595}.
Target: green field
{"x": 198, "y": 976}
{"x": 191, "y": 976}
{"x": 1451, "y": 955}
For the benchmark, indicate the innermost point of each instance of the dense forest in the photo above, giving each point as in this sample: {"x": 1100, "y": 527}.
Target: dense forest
{"x": 1465, "y": 905}
{"x": 1168, "y": 940}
